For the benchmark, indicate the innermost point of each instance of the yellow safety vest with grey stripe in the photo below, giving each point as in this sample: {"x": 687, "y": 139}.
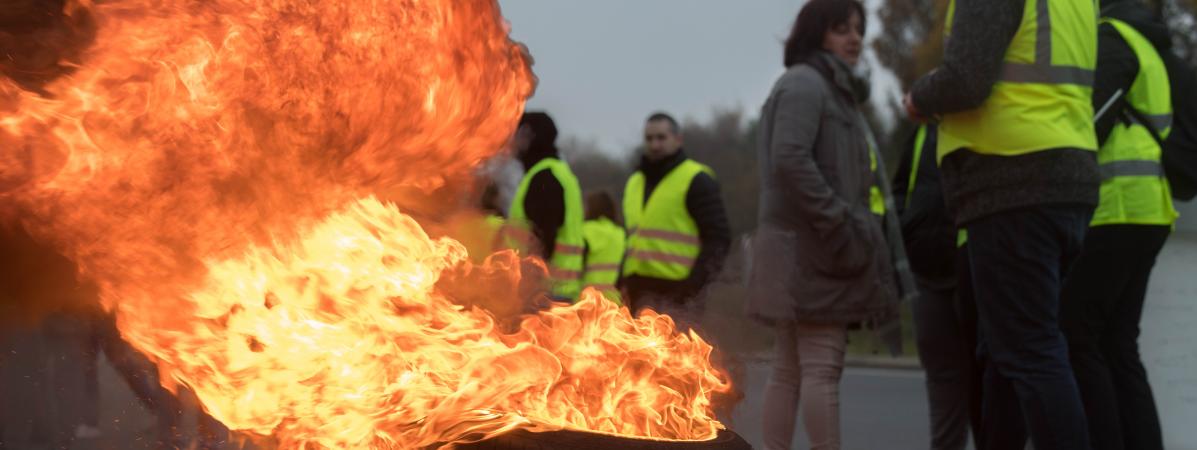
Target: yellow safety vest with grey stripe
{"x": 662, "y": 236}
{"x": 1043, "y": 98}
{"x": 1133, "y": 187}
{"x": 604, "y": 252}
{"x": 876, "y": 198}
{"x": 565, "y": 266}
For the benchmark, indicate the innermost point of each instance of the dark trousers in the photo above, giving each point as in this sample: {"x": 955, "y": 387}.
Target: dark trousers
{"x": 945, "y": 320}
{"x": 1019, "y": 260}
{"x": 1102, "y": 304}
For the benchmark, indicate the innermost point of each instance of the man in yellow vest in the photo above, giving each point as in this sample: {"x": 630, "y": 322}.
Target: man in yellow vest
{"x": 1103, "y": 296}
{"x": 548, "y": 202}
{"x": 678, "y": 234}
{"x": 1017, "y": 150}
{"x": 605, "y": 245}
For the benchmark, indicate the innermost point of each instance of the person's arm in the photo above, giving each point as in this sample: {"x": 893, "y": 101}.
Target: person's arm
{"x": 545, "y": 207}
{"x": 705, "y": 204}
{"x": 1117, "y": 67}
{"x": 973, "y": 57}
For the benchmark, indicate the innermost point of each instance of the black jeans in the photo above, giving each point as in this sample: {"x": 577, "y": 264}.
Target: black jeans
{"x": 1019, "y": 260}
{"x": 945, "y": 320}
{"x": 1102, "y": 304}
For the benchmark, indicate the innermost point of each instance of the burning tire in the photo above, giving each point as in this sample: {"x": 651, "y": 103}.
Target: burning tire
{"x": 579, "y": 440}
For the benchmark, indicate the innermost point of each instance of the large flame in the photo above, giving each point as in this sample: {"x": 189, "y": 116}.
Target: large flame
{"x": 213, "y": 166}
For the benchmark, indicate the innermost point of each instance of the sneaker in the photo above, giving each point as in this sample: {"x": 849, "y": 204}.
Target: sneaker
{"x": 83, "y": 431}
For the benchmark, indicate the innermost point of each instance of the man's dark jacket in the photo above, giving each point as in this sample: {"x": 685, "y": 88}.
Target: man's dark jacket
{"x": 927, "y": 229}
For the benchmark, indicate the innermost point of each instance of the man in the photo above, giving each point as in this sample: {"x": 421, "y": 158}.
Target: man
{"x": 678, "y": 235}
{"x": 1103, "y": 297}
{"x": 945, "y": 316}
{"x": 548, "y": 202}
{"x": 1017, "y": 153}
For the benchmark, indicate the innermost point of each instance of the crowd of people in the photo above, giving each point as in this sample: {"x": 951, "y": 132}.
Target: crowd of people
{"x": 1023, "y": 223}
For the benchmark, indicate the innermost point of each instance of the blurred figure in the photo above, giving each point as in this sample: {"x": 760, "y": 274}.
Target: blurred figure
{"x": 74, "y": 330}
{"x": 678, "y": 234}
{"x": 1017, "y": 154}
{"x": 482, "y": 230}
{"x": 604, "y": 245}
{"x": 945, "y": 315}
{"x": 549, "y": 204}
{"x": 1103, "y": 295}
{"x": 821, "y": 260}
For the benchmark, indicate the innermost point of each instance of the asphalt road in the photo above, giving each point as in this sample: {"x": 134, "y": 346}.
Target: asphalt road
{"x": 879, "y": 408}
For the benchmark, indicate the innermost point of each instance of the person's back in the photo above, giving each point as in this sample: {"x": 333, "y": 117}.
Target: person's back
{"x": 678, "y": 234}
{"x": 1104, "y": 294}
{"x": 1017, "y": 153}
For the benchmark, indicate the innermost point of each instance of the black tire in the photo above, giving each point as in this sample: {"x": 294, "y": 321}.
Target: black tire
{"x": 579, "y": 440}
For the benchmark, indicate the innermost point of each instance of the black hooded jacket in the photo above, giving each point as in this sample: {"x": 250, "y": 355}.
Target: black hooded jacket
{"x": 927, "y": 229}
{"x": 1117, "y": 64}
{"x": 544, "y": 203}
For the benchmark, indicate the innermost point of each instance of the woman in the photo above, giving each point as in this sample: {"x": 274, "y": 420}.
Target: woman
{"x": 821, "y": 260}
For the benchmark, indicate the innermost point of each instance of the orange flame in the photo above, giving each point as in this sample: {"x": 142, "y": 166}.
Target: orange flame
{"x": 212, "y": 165}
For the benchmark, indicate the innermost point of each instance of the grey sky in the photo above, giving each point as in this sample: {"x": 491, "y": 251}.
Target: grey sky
{"x": 605, "y": 65}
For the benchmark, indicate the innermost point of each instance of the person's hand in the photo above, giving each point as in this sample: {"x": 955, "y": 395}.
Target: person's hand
{"x": 912, "y": 111}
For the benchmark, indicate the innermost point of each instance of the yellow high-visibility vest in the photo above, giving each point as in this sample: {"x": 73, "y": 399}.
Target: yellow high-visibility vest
{"x": 481, "y": 236}
{"x": 1043, "y": 99}
{"x": 565, "y": 266}
{"x": 604, "y": 252}
{"x": 662, "y": 236}
{"x": 876, "y": 198}
{"x": 1133, "y": 187}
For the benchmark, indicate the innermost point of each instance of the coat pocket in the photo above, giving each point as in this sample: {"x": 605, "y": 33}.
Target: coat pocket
{"x": 845, "y": 252}
{"x": 773, "y": 271}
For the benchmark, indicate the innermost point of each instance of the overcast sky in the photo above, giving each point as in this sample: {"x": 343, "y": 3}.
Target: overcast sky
{"x": 605, "y": 65}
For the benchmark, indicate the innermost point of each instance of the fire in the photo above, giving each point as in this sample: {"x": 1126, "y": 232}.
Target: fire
{"x": 215, "y": 166}
{"x": 344, "y": 340}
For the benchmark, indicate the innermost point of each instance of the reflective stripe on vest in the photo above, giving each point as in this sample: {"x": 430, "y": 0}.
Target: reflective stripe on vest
{"x": 1043, "y": 98}
{"x": 920, "y": 140}
{"x": 565, "y": 266}
{"x": 662, "y": 236}
{"x": 1133, "y": 187}
{"x": 604, "y": 251}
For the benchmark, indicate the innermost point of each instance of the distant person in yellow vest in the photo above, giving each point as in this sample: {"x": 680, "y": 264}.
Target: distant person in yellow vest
{"x": 548, "y": 203}
{"x": 1103, "y": 296}
{"x": 605, "y": 239}
{"x": 483, "y": 235}
{"x": 678, "y": 235}
{"x": 1017, "y": 150}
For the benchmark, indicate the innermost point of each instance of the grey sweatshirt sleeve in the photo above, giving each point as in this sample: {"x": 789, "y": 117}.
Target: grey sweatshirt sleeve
{"x": 972, "y": 60}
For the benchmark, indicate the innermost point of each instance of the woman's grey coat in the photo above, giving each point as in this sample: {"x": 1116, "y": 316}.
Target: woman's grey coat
{"x": 820, "y": 255}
